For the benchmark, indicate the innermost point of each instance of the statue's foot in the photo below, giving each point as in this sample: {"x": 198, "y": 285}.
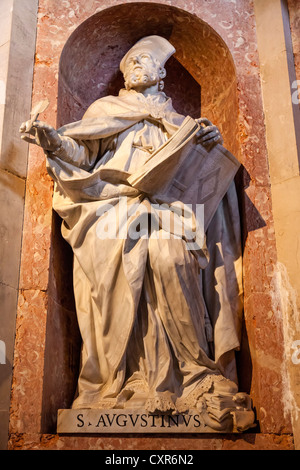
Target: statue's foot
{"x": 160, "y": 402}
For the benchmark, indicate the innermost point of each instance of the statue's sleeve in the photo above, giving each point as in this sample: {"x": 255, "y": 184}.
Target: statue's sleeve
{"x": 81, "y": 154}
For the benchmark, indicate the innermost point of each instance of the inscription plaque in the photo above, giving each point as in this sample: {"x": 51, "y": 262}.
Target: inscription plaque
{"x": 131, "y": 421}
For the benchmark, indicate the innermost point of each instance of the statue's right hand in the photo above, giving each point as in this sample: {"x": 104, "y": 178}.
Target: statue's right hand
{"x": 42, "y": 134}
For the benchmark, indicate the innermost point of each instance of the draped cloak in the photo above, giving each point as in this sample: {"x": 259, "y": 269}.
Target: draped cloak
{"x": 156, "y": 320}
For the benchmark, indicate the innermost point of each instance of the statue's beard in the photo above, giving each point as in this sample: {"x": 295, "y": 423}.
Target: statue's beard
{"x": 141, "y": 77}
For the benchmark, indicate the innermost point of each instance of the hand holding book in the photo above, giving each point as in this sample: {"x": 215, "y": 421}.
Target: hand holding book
{"x": 208, "y": 135}
{"x": 183, "y": 169}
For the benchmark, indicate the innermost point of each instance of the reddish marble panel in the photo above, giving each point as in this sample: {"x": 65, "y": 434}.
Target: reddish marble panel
{"x": 26, "y": 401}
{"x": 268, "y": 367}
{"x": 169, "y": 442}
{"x": 231, "y": 97}
{"x": 36, "y": 232}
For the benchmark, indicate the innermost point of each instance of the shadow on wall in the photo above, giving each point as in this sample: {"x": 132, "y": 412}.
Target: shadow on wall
{"x": 201, "y": 74}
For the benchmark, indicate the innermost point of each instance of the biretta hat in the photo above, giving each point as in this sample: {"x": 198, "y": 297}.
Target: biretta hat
{"x": 158, "y": 47}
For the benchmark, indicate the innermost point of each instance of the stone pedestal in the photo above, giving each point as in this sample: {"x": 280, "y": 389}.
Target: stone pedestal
{"x": 92, "y": 421}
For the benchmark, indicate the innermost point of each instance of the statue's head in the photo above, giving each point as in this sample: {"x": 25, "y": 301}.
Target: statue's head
{"x": 143, "y": 65}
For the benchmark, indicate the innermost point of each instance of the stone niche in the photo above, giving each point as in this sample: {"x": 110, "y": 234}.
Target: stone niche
{"x": 200, "y": 79}
{"x": 215, "y": 72}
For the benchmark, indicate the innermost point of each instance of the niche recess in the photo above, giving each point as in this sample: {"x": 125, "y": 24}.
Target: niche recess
{"x": 200, "y": 75}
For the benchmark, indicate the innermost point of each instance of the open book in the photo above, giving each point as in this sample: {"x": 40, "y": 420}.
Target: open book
{"x": 183, "y": 170}
{"x": 162, "y": 165}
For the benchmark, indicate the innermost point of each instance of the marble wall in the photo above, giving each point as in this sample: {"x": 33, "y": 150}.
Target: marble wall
{"x": 216, "y": 43}
{"x": 17, "y": 43}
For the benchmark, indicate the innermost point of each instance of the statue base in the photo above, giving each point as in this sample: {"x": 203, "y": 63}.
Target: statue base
{"x": 100, "y": 421}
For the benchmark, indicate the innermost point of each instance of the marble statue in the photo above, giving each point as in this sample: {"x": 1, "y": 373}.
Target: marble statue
{"x": 160, "y": 323}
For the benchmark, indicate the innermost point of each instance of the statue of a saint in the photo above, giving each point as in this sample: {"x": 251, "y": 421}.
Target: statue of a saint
{"x": 159, "y": 322}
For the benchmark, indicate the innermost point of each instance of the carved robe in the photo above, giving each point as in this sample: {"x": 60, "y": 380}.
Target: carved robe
{"x": 158, "y": 322}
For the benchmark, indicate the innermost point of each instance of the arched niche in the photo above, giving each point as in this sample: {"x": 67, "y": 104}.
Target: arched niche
{"x": 201, "y": 81}
{"x": 89, "y": 63}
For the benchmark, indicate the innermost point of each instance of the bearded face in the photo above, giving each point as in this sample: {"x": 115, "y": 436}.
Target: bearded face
{"x": 142, "y": 71}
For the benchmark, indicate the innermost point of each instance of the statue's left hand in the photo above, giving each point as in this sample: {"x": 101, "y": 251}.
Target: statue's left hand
{"x": 208, "y": 134}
